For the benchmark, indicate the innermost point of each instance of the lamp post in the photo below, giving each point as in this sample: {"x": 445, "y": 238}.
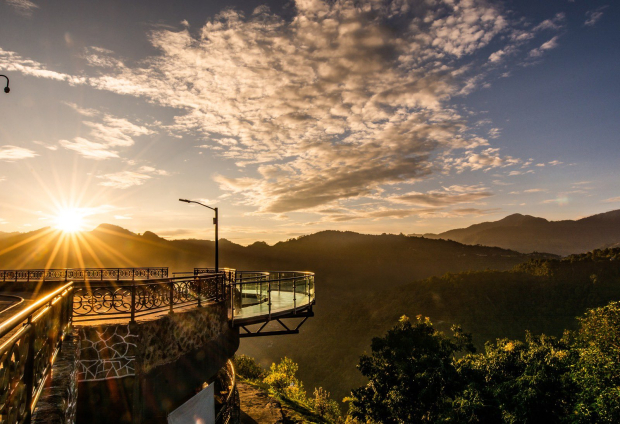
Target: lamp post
{"x": 6, "y": 89}
{"x": 215, "y": 222}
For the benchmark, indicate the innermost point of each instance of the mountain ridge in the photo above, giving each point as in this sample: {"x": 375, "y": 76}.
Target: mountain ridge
{"x": 526, "y": 233}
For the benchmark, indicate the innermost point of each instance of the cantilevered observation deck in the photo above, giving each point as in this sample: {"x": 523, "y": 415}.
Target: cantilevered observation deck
{"x": 32, "y": 336}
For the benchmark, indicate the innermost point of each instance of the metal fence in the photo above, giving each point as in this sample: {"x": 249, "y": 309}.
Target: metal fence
{"x": 108, "y": 301}
{"x": 226, "y": 382}
{"x": 31, "y": 340}
{"x": 82, "y": 274}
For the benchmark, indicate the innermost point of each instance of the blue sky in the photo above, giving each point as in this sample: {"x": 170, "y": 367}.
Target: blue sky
{"x": 294, "y": 117}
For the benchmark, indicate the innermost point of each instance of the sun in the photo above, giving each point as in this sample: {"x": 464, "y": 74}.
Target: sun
{"x": 70, "y": 220}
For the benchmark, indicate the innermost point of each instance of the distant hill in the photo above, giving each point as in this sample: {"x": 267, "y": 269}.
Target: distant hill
{"x": 525, "y": 233}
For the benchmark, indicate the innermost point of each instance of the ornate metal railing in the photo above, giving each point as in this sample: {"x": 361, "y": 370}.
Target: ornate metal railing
{"x": 253, "y": 293}
{"x": 107, "y": 301}
{"x": 230, "y": 273}
{"x": 226, "y": 382}
{"x": 30, "y": 341}
{"x": 83, "y": 274}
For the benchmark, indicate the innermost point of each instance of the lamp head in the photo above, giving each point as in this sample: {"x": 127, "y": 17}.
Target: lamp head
{"x": 184, "y": 200}
{"x": 6, "y": 90}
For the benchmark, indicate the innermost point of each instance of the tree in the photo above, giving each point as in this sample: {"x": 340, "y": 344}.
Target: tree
{"x": 597, "y": 371}
{"x": 411, "y": 373}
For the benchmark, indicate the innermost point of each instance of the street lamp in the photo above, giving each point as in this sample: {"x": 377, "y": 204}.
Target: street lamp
{"x": 6, "y": 89}
{"x": 215, "y": 222}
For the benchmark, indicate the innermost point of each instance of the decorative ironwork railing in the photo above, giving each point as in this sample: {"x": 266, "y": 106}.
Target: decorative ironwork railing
{"x": 107, "y": 301}
{"x": 31, "y": 340}
{"x": 226, "y": 381}
{"x": 230, "y": 273}
{"x": 257, "y": 293}
{"x": 83, "y": 274}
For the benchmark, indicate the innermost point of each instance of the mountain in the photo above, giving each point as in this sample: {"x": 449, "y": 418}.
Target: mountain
{"x": 525, "y": 233}
{"x": 353, "y": 271}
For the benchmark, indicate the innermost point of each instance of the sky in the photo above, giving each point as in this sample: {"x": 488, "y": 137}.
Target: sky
{"x": 301, "y": 116}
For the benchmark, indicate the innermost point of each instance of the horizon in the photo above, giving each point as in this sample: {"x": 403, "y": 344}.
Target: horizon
{"x": 298, "y": 117}
{"x": 246, "y": 243}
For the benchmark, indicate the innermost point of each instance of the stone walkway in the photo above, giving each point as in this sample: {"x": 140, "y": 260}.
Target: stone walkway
{"x": 258, "y": 407}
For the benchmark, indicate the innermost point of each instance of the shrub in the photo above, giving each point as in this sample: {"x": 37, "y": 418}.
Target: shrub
{"x": 248, "y": 368}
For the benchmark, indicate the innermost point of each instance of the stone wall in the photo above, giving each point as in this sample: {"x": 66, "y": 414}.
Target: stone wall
{"x": 140, "y": 372}
{"x": 58, "y": 401}
{"x": 110, "y": 350}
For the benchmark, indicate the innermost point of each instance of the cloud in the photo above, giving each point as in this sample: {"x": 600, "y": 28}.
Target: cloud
{"x": 535, "y": 190}
{"x": 555, "y": 163}
{"x": 47, "y": 146}
{"x": 548, "y": 45}
{"x": 108, "y": 134}
{"x": 121, "y": 217}
{"x": 593, "y": 16}
{"x": 23, "y": 7}
{"x": 336, "y": 102}
{"x": 11, "y": 153}
{"x": 89, "y": 149}
{"x": 448, "y": 196}
{"x": 612, "y": 200}
{"x": 124, "y": 179}
{"x": 484, "y": 160}
{"x": 12, "y": 62}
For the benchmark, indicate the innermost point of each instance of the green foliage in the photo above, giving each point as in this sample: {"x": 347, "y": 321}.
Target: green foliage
{"x": 416, "y": 375}
{"x": 597, "y": 371}
{"x": 517, "y": 382}
{"x": 411, "y": 372}
{"x": 282, "y": 380}
{"x": 247, "y": 367}
{"x": 324, "y": 406}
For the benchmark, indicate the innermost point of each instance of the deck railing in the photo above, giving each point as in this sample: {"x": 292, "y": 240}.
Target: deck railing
{"x": 31, "y": 340}
{"x": 226, "y": 379}
{"x": 135, "y": 299}
{"x": 258, "y": 293}
{"x": 83, "y": 274}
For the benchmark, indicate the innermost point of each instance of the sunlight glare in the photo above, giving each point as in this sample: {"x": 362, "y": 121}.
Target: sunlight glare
{"x": 70, "y": 220}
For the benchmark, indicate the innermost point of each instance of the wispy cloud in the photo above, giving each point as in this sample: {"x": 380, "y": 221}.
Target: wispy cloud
{"x": 105, "y": 136}
{"x": 593, "y": 16}
{"x": 447, "y": 197}
{"x": 612, "y": 200}
{"x": 23, "y": 7}
{"x": 124, "y": 179}
{"x": 548, "y": 45}
{"x": 11, "y": 153}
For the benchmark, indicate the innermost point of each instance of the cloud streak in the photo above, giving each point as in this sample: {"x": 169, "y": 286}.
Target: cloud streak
{"x": 12, "y": 153}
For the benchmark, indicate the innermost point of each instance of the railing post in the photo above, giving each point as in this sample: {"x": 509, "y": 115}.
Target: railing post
{"x": 171, "y": 297}
{"x": 29, "y": 369}
{"x": 133, "y": 301}
{"x": 294, "y": 295}
{"x": 118, "y": 274}
{"x": 269, "y": 297}
{"x": 232, "y": 302}
{"x": 199, "y": 281}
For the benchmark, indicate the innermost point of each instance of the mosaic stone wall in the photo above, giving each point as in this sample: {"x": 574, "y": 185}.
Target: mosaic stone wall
{"x": 111, "y": 351}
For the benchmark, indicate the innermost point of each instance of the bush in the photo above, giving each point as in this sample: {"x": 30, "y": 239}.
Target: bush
{"x": 247, "y": 367}
{"x": 282, "y": 380}
{"x": 324, "y": 406}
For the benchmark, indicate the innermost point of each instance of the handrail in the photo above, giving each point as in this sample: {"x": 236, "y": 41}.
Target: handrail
{"x": 19, "y": 301}
{"x": 225, "y": 414}
{"x": 35, "y": 335}
{"x": 8, "y": 325}
{"x": 66, "y": 274}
